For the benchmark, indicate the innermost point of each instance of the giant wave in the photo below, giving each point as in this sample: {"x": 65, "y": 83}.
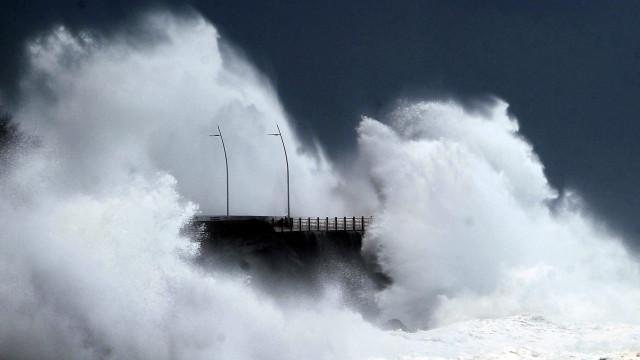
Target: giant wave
{"x": 94, "y": 264}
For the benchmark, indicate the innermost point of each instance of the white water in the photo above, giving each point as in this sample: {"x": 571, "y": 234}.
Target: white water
{"x": 93, "y": 266}
{"x": 466, "y": 230}
{"x": 112, "y": 109}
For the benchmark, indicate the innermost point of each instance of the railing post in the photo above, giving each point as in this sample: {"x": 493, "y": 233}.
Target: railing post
{"x": 335, "y": 223}
{"x": 344, "y": 224}
{"x": 362, "y": 223}
{"x": 354, "y": 223}
{"x": 326, "y": 225}
{"x": 318, "y": 223}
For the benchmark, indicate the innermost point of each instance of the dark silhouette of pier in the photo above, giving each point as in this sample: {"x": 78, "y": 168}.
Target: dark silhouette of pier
{"x": 285, "y": 224}
{"x": 281, "y": 253}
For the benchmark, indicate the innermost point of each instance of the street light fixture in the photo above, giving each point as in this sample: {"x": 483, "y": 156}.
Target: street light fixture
{"x": 226, "y": 165}
{"x": 287, "y": 161}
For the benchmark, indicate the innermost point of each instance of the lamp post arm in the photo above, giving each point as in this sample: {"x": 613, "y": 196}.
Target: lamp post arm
{"x": 226, "y": 163}
{"x": 286, "y": 159}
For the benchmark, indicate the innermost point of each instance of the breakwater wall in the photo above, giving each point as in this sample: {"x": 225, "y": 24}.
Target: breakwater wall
{"x": 300, "y": 261}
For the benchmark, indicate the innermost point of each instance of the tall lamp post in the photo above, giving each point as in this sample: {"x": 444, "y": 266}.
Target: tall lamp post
{"x": 226, "y": 162}
{"x": 287, "y": 161}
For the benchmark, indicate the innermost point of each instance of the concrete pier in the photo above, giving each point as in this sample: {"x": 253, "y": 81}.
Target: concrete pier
{"x": 280, "y": 255}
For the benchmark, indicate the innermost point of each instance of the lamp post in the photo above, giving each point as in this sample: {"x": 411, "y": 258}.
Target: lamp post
{"x": 226, "y": 162}
{"x": 287, "y": 161}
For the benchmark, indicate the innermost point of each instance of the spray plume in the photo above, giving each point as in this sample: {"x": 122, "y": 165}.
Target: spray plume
{"x": 466, "y": 230}
{"x": 94, "y": 266}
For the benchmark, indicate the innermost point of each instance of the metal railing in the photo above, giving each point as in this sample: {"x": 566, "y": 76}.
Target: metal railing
{"x": 321, "y": 224}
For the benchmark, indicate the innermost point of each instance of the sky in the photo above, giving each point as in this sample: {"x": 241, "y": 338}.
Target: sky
{"x": 569, "y": 70}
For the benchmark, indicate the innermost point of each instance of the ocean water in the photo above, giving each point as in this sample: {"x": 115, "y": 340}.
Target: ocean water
{"x": 488, "y": 261}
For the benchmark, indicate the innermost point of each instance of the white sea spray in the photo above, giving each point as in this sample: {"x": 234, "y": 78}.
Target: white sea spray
{"x": 93, "y": 264}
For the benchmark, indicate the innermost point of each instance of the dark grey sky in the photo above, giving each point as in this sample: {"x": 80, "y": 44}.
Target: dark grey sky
{"x": 570, "y": 70}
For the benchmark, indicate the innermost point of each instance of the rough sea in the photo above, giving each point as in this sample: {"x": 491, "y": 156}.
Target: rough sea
{"x": 488, "y": 260}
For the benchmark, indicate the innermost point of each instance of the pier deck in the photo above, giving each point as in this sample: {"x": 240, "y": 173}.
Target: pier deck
{"x": 283, "y": 224}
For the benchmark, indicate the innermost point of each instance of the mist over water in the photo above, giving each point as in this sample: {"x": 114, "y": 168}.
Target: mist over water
{"x": 116, "y": 107}
{"x": 94, "y": 265}
{"x": 466, "y": 230}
